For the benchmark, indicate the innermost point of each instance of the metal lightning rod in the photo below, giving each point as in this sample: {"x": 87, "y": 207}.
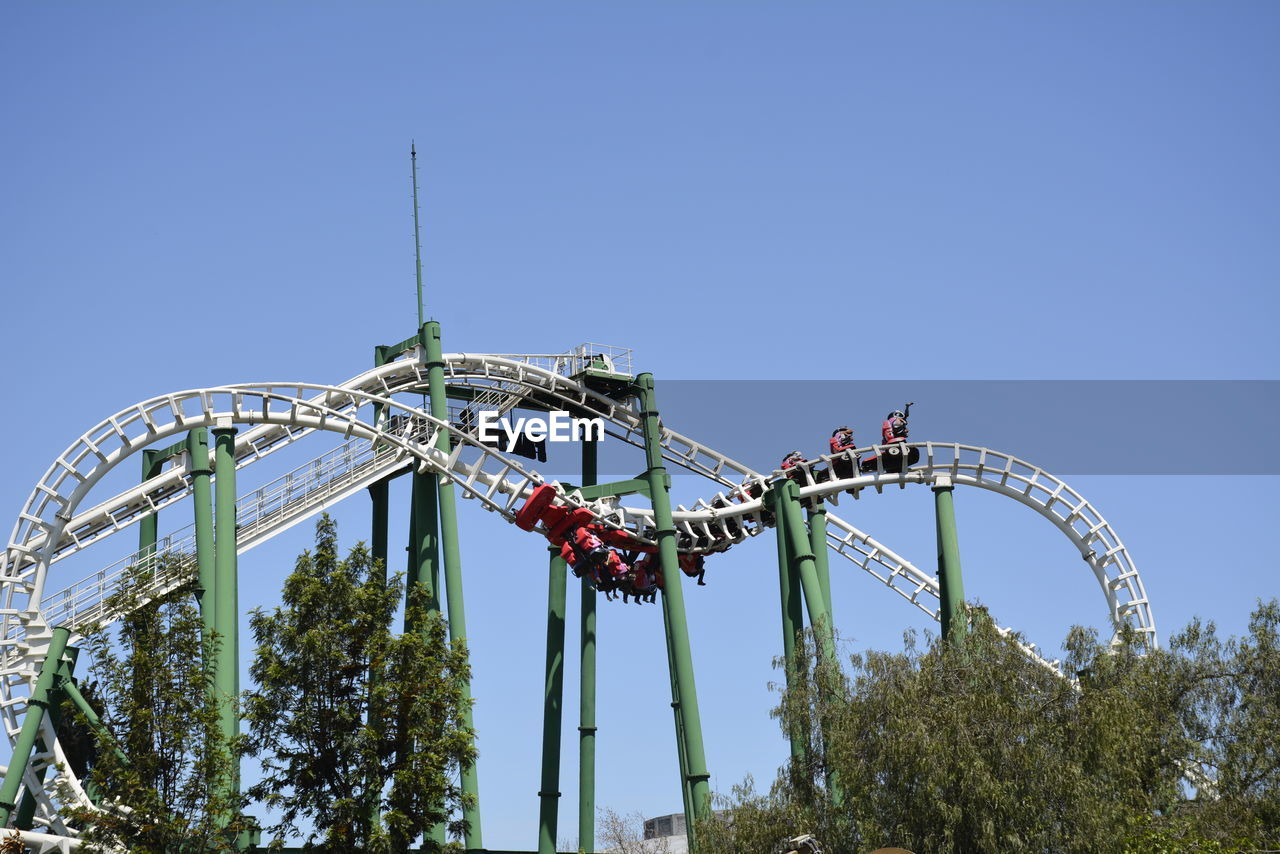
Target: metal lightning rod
{"x": 417, "y": 234}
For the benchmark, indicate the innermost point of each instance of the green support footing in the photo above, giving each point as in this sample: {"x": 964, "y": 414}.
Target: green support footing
{"x": 950, "y": 580}
{"x": 226, "y": 674}
{"x": 429, "y": 335}
{"x": 552, "y": 707}
{"x": 37, "y": 706}
{"x": 587, "y": 689}
{"x": 695, "y": 772}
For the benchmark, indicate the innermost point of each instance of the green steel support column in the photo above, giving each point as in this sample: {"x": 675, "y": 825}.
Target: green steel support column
{"x": 587, "y": 690}
{"x": 141, "y": 687}
{"x": 72, "y": 690}
{"x": 429, "y": 335}
{"x": 816, "y": 600}
{"x": 77, "y": 699}
{"x": 226, "y": 675}
{"x": 202, "y": 499}
{"x": 792, "y": 609}
{"x": 818, "y": 544}
{"x": 37, "y": 705}
{"x": 673, "y": 598}
{"x": 950, "y": 581}
{"x": 424, "y": 539}
{"x": 552, "y": 707}
{"x": 424, "y": 562}
{"x": 148, "y": 526}
{"x": 821, "y": 562}
{"x": 379, "y": 496}
{"x": 686, "y": 795}
{"x": 802, "y": 554}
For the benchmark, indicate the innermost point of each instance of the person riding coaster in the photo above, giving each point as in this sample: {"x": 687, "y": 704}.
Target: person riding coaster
{"x": 694, "y": 566}
{"x": 792, "y": 460}
{"x": 841, "y": 442}
{"x": 893, "y": 432}
{"x": 587, "y": 545}
{"x": 640, "y": 582}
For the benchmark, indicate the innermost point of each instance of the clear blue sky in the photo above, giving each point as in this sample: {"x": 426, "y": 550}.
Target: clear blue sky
{"x": 202, "y": 194}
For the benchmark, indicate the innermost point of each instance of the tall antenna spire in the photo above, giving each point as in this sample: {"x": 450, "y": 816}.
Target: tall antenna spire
{"x": 417, "y": 234}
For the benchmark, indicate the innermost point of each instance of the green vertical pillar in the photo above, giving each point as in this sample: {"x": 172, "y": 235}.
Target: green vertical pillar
{"x": 140, "y": 687}
{"x": 792, "y": 611}
{"x": 37, "y": 705}
{"x": 424, "y": 540}
{"x": 802, "y": 555}
{"x": 202, "y": 499}
{"x": 950, "y": 581}
{"x": 148, "y": 526}
{"x": 552, "y": 707}
{"x": 226, "y": 674}
{"x": 379, "y": 497}
{"x": 802, "y": 559}
{"x": 587, "y": 689}
{"x": 686, "y": 794}
{"x": 818, "y": 544}
{"x": 696, "y": 775}
{"x": 429, "y": 336}
{"x": 424, "y": 562}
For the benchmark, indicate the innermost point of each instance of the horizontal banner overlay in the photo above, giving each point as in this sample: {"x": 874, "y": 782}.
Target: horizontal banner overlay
{"x": 1135, "y": 427}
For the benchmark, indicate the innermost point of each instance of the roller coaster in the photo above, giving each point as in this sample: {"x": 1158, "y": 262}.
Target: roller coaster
{"x": 383, "y": 434}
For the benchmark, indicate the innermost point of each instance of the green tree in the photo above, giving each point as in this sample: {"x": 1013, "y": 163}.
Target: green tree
{"x": 970, "y": 747}
{"x": 354, "y": 722}
{"x": 160, "y": 744}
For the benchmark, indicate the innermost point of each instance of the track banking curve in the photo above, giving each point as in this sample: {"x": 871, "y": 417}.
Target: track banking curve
{"x": 51, "y": 527}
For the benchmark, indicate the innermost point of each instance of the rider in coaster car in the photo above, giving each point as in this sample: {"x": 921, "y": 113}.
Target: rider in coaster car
{"x": 790, "y": 464}
{"x": 894, "y": 428}
{"x": 583, "y": 549}
{"x": 570, "y": 556}
{"x": 615, "y": 566}
{"x": 587, "y": 542}
{"x": 694, "y": 566}
{"x": 792, "y": 459}
{"x": 841, "y": 440}
{"x": 646, "y": 583}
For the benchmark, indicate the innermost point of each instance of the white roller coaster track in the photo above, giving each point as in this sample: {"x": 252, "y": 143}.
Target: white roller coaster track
{"x": 278, "y": 414}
